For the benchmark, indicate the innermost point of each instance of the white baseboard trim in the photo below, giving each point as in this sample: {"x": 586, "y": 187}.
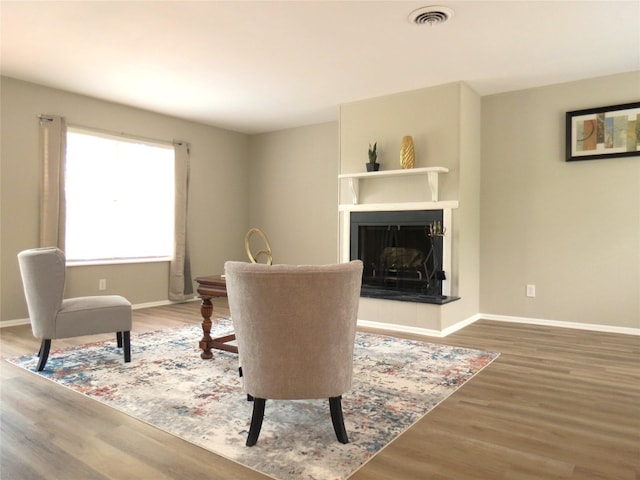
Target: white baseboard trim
{"x": 14, "y": 323}
{"x": 393, "y": 327}
{"x": 501, "y": 318}
{"x": 561, "y": 324}
{"x": 422, "y": 331}
{"x": 159, "y": 303}
{"x": 138, "y": 306}
{"x": 460, "y": 325}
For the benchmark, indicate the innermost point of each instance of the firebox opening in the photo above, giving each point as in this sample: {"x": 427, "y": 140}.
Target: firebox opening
{"x": 402, "y": 254}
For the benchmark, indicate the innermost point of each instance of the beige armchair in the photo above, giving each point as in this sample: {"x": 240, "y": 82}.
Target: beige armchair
{"x": 295, "y": 327}
{"x": 43, "y": 273}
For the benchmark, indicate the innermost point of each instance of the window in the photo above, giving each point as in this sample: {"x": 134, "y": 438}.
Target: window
{"x": 120, "y": 198}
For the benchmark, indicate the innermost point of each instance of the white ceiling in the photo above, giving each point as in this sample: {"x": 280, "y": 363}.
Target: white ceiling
{"x": 267, "y": 65}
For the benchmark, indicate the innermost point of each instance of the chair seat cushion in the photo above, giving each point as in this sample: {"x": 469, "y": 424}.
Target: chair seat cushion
{"x": 91, "y": 315}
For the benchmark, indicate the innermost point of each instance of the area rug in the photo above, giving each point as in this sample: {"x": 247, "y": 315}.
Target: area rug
{"x": 396, "y": 382}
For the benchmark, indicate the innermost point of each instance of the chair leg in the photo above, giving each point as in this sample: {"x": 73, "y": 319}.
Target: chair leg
{"x": 335, "y": 405}
{"x": 119, "y": 339}
{"x": 45, "y": 346}
{"x": 127, "y": 346}
{"x": 256, "y": 421}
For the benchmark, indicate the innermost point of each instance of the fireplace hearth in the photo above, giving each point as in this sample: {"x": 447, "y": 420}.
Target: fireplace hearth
{"x": 402, "y": 252}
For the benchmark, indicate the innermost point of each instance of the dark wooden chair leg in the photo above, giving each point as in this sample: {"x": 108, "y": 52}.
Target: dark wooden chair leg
{"x": 256, "y": 421}
{"x": 45, "y": 346}
{"x": 119, "y": 339}
{"x": 335, "y": 405}
{"x": 127, "y": 346}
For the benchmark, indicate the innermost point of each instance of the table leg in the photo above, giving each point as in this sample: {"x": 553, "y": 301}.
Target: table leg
{"x": 206, "y": 309}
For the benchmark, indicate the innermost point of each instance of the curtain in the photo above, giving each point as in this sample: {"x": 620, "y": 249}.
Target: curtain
{"x": 180, "y": 284}
{"x": 53, "y": 143}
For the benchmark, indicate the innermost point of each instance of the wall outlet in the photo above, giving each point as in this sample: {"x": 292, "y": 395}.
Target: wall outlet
{"x": 102, "y": 284}
{"x": 531, "y": 290}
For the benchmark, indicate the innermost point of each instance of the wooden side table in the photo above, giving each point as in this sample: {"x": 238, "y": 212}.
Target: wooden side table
{"x": 209, "y": 287}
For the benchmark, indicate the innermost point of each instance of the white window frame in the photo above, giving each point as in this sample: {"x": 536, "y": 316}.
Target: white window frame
{"x": 157, "y": 206}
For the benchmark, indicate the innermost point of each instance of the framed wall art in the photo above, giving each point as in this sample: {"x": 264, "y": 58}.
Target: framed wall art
{"x": 604, "y": 132}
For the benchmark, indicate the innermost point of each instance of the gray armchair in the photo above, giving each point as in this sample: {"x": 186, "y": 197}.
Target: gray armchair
{"x": 295, "y": 327}
{"x": 43, "y": 273}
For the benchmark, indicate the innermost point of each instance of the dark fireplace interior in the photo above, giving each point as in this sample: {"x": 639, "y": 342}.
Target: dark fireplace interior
{"x": 402, "y": 254}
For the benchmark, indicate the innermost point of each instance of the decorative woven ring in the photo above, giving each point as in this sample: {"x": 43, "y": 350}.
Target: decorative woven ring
{"x": 267, "y": 252}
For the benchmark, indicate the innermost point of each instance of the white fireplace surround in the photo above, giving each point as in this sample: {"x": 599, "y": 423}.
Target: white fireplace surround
{"x": 379, "y": 313}
{"x": 446, "y": 207}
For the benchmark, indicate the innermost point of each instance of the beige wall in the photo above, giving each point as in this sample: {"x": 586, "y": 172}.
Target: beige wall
{"x": 294, "y": 192}
{"x": 218, "y": 208}
{"x": 572, "y": 229}
{"x": 430, "y": 115}
{"x": 466, "y": 218}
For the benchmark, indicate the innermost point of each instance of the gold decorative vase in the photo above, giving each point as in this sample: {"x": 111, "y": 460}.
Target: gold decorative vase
{"x": 407, "y": 153}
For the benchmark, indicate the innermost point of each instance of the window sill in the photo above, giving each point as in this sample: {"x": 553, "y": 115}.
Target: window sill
{"x": 116, "y": 261}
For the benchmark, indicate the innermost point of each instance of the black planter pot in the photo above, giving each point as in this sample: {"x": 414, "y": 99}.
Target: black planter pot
{"x": 372, "y": 167}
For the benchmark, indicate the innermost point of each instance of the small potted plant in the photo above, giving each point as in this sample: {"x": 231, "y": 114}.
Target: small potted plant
{"x": 373, "y": 165}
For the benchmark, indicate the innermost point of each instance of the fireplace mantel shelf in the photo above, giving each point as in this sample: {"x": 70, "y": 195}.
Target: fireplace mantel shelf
{"x": 430, "y": 172}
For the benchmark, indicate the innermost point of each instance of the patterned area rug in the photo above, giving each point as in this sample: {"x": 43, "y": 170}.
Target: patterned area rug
{"x": 167, "y": 385}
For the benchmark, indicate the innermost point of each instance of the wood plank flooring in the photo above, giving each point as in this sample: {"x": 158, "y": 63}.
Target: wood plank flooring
{"x": 557, "y": 404}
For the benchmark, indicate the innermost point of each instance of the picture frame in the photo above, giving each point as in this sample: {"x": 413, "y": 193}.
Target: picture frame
{"x": 603, "y": 132}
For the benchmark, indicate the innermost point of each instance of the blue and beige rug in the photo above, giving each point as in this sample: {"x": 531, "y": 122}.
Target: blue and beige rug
{"x": 396, "y": 382}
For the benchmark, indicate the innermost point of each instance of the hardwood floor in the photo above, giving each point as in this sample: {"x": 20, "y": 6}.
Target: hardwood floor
{"x": 557, "y": 404}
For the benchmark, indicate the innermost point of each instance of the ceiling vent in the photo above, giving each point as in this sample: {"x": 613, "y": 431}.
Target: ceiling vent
{"x": 431, "y": 16}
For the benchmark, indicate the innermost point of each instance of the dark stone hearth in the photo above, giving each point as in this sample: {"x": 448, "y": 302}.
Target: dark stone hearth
{"x": 402, "y": 296}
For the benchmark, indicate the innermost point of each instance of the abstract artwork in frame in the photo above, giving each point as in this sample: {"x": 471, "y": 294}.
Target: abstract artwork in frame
{"x": 605, "y": 132}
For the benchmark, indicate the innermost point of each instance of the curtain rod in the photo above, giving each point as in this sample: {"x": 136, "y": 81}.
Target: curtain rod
{"x": 118, "y": 134}
{"x": 124, "y": 135}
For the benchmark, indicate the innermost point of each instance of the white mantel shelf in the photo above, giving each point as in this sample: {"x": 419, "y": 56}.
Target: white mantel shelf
{"x": 430, "y": 172}
{"x": 390, "y": 207}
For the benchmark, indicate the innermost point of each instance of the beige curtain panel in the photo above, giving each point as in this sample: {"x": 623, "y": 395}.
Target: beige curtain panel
{"x": 53, "y": 144}
{"x": 53, "y": 134}
{"x": 180, "y": 283}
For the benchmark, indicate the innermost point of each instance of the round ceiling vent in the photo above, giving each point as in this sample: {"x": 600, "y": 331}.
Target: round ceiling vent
{"x": 430, "y": 15}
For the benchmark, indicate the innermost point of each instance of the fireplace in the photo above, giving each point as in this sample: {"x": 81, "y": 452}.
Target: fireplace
{"x": 402, "y": 252}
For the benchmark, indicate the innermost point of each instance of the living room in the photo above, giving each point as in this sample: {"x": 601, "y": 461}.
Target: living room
{"x": 524, "y": 216}
{"x": 526, "y": 194}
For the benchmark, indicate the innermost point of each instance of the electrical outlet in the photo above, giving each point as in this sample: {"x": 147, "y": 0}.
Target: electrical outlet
{"x": 531, "y": 290}
{"x": 102, "y": 284}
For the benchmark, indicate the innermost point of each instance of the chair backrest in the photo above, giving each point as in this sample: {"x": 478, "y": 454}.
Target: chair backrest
{"x": 43, "y": 276}
{"x": 295, "y": 327}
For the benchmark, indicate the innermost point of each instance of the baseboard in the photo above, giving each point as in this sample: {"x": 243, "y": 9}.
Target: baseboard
{"x": 561, "y": 324}
{"x": 501, "y": 318}
{"x": 14, "y": 323}
{"x": 159, "y": 303}
{"x": 460, "y": 325}
{"x": 423, "y": 331}
{"x": 393, "y": 327}
{"x": 138, "y": 306}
